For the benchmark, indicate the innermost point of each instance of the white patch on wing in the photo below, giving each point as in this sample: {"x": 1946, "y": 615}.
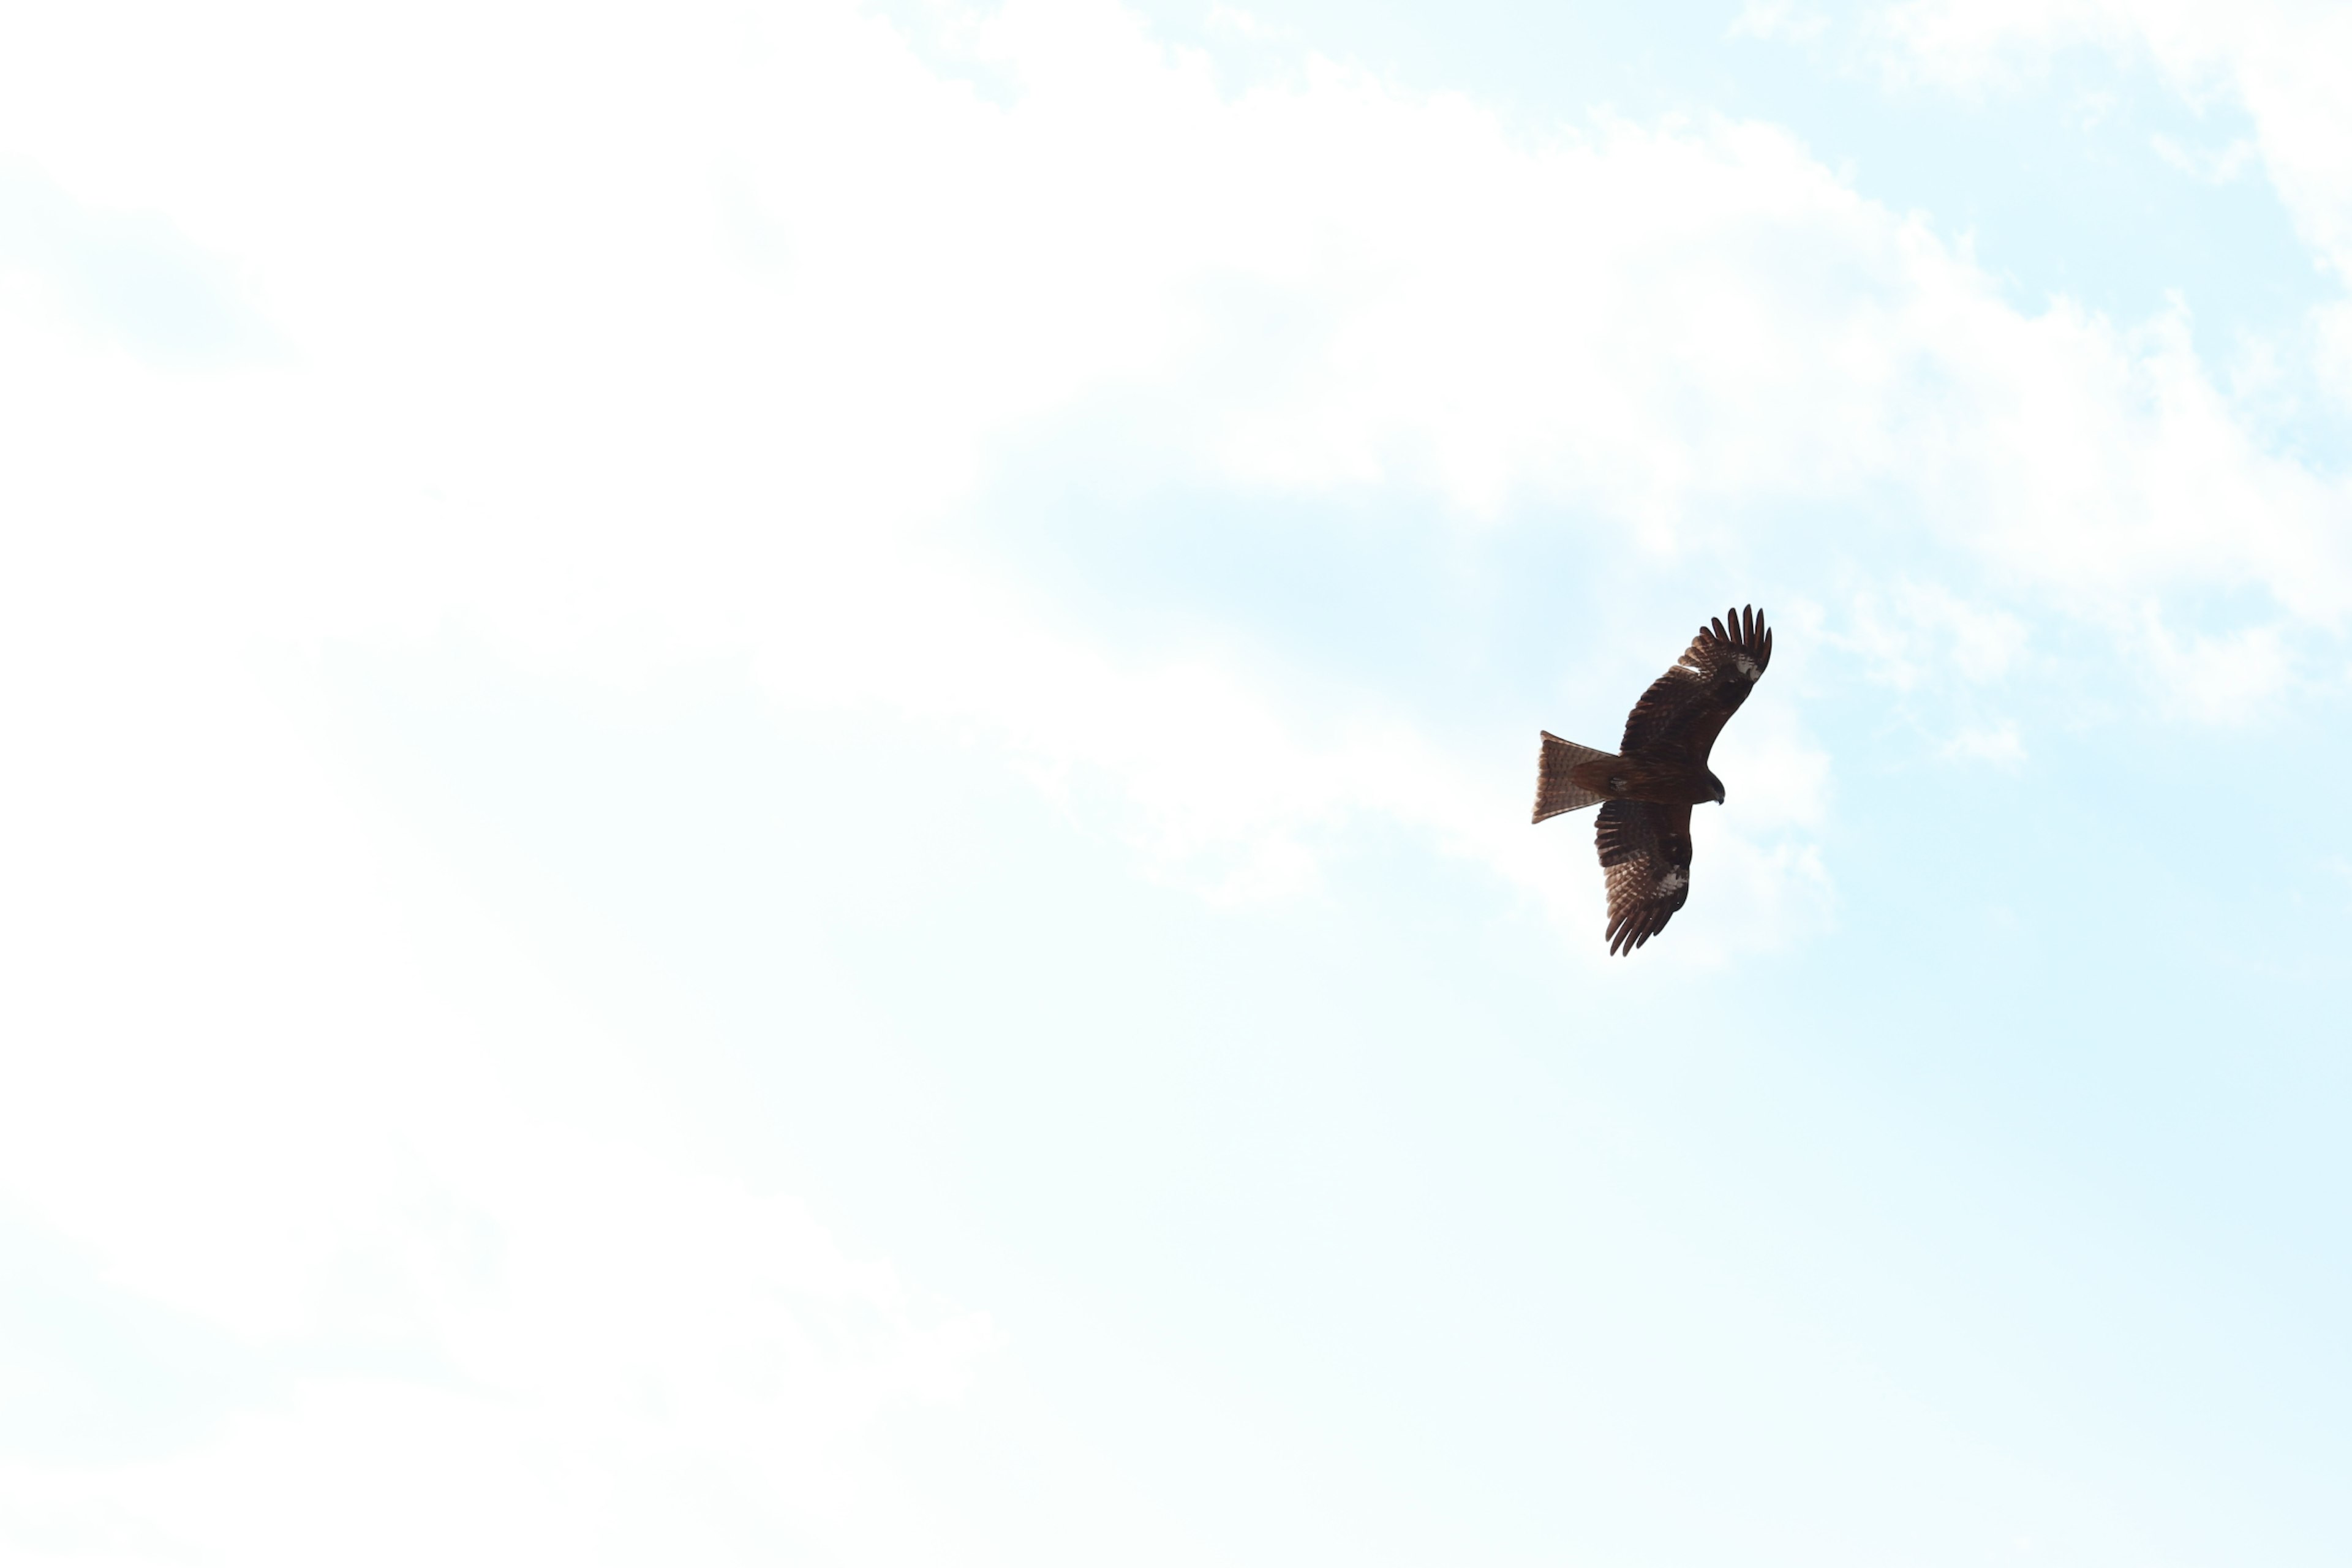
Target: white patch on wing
{"x": 1670, "y": 882}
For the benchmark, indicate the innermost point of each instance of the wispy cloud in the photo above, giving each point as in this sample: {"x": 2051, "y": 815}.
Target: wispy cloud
{"x": 1999, "y": 744}
{"x": 1778, "y": 19}
{"x": 2215, "y": 166}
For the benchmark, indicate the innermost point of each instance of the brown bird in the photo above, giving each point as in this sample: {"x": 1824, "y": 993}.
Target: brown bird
{"x": 1647, "y": 790}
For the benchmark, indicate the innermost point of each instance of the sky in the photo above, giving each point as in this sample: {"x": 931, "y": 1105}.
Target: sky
{"x": 766, "y": 772}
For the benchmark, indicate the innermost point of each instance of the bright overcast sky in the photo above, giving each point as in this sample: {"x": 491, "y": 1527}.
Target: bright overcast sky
{"x": 766, "y": 772}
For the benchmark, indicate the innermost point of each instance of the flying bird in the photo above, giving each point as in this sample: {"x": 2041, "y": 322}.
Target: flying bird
{"x": 1647, "y": 789}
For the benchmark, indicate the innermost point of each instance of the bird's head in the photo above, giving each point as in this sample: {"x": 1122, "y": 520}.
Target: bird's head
{"x": 1717, "y": 784}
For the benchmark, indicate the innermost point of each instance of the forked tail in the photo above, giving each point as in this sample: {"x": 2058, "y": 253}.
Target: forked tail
{"x": 1556, "y": 789}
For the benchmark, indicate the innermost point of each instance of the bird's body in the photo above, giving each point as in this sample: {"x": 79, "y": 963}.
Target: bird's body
{"x": 1646, "y": 787}
{"x": 1663, "y": 781}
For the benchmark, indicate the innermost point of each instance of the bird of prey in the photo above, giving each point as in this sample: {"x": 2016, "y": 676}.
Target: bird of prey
{"x": 1647, "y": 789}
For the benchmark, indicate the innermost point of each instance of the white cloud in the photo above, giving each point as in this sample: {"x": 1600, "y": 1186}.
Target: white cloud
{"x": 2214, "y": 167}
{"x": 1248, "y": 24}
{"x": 620, "y": 376}
{"x": 2000, "y": 44}
{"x": 2218, "y": 678}
{"x": 2275, "y": 57}
{"x": 1925, "y": 634}
{"x": 654, "y": 428}
{"x": 1998, "y": 743}
{"x": 1776, "y": 19}
{"x": 268, "y": 1064}
{"x": 716, "y": 373}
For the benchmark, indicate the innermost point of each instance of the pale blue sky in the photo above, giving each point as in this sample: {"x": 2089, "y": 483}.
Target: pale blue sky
{"x": 770, "y": 769}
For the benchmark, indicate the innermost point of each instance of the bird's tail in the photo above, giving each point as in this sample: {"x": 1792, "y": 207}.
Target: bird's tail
{"x": 1556, "y": 787}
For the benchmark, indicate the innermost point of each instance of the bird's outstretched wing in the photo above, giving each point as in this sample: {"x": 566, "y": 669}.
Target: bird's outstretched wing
{"x": 1685, "y": 709}
{"x": 1645, "y": 855}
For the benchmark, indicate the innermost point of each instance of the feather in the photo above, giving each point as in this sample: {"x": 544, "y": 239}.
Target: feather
{"x": 1645, "y": 855}
{"x": 1687, "y": 708}
{"x": 1556, "y": 790}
